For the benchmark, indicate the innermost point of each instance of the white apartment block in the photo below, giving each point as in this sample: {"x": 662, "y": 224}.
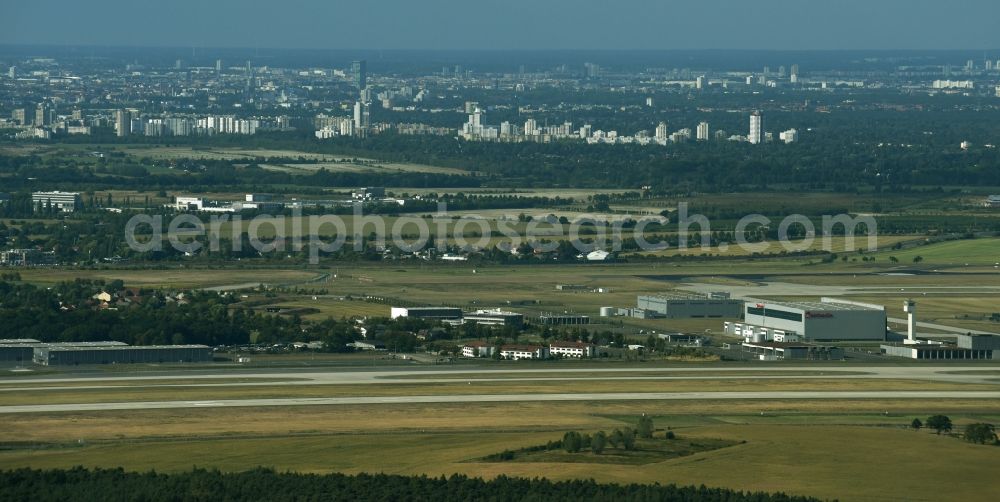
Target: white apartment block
{"x": 756, "y": 136}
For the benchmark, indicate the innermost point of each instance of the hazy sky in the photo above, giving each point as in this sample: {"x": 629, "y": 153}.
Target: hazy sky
{"x": 508, "y": 24}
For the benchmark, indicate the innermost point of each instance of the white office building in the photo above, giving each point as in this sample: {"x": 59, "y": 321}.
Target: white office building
{"x": 66, "y": 202}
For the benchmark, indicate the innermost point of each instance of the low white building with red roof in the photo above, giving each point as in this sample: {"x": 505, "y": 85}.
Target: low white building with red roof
{"x": 573, "y": 349}
{"x": 517, "y": 352}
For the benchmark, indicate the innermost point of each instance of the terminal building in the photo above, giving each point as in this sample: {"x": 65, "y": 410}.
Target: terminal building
{"x": 966, "y": 347}
{"x": 691, "y": 305}
{"x": 828, "y": 319}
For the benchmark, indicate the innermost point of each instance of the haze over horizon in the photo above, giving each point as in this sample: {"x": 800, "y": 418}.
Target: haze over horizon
{"x": 514, "y": 25}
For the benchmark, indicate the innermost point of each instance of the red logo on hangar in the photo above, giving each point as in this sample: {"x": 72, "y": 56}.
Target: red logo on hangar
{"x": 818, "y": 314}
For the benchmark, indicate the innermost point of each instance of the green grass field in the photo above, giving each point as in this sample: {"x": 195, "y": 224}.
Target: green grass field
{"x": 977, "y": 252}
{"x": 950, "y": 298}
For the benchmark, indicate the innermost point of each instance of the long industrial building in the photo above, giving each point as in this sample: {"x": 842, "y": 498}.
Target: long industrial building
{"x": 828, "y": 319}
{"x": 56, "y": 355}
{"x": 691, "y": 305}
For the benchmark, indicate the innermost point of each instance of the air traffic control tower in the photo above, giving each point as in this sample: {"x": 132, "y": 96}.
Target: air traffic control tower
{"x": 910, "y": 307}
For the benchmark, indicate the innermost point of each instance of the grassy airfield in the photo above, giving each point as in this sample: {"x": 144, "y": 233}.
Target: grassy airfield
{"x": 858, "y": 450}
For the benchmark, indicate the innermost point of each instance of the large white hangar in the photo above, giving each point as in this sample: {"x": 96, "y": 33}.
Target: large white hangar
{"x": 827, "y": 319}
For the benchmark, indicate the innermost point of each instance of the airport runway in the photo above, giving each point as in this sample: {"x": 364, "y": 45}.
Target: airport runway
{"x": 291, "y": 377}
{"x": 971, "y": 374}
{"x": 498, "y": 398}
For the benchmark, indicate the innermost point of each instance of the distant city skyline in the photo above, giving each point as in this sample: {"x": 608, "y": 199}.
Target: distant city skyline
{"x": 518, "y": 25}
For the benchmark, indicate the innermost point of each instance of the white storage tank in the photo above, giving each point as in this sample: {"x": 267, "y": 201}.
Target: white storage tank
{"x": 607, "y": 311}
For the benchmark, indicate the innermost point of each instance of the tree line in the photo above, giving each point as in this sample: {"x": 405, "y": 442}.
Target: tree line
{"x": 269, "y": 485}
{"x": 977, "y": 432}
